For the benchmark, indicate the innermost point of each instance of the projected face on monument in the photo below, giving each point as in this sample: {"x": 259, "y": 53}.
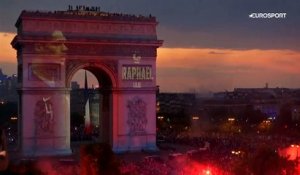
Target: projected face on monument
{"x": 56, "y": 47}
{"x": 43, "y": 71}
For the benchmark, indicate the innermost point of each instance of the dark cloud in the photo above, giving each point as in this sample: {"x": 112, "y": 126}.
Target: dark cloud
{"x": 193, "y": 23}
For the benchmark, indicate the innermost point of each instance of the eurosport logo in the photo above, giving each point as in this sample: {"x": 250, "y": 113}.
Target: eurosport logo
{"x": 268, "y": 15}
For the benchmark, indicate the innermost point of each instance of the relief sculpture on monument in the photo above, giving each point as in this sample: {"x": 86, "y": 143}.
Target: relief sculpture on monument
{"x": 137, "y": 119}
{"x": 44, "y": 119}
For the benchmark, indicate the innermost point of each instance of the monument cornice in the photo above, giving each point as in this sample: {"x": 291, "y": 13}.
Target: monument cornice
{"x": 86, "y": 16}
{"x": 105, "y": 51}
{"x": 92, "y": 20}
{"x": 156, "y": 43}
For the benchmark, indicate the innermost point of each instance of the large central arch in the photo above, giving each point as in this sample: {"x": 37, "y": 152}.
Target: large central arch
{"x": 120, "y": 50}
{"x": 108, "y": 83}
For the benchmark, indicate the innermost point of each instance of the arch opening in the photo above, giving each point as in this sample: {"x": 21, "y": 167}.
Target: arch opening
{"x": 90, "y": 105}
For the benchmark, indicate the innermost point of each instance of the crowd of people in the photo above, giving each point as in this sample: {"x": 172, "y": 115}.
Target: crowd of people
{"x": 101, "y": 15}
{"x": 83, "y": 133}
{"x": 211, "y": 154}
{"x": 221, "y": 157}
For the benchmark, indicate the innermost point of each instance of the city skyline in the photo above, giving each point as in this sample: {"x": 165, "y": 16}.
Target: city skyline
{"x": 208, "y": 45}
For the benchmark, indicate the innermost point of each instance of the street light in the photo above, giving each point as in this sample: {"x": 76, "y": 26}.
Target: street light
{"x": 231, "y": 119}
{"x": 160, "y": 117}
{"x": 195, "y": 118}
{"x": 13, "y": 118}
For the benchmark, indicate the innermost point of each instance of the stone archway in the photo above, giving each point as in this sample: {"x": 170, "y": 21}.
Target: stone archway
{"x": 120, "y": 50}
{"x": 107, "y": 82}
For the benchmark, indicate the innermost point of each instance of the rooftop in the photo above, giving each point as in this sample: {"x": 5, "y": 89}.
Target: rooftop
{"x": 87, "y": 14}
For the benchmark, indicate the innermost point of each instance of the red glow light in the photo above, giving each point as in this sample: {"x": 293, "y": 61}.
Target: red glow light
{"x": 207, "y": 172}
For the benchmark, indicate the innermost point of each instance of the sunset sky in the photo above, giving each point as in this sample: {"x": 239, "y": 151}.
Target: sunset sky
{"x": 209, "y": 45}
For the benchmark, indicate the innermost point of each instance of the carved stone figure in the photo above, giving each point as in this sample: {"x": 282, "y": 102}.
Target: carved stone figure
{"x": 44, "y": 116}
{"x": 137, "y": 119}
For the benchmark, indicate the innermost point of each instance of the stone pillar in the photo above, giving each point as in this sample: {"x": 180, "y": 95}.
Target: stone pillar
{"x": 45, "y": 120}
{"x": 105, "y": 124}
{"x": 136, "y": 123}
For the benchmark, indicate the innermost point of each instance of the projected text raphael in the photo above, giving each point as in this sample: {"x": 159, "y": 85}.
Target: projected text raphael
{"x": 133, "y": 72}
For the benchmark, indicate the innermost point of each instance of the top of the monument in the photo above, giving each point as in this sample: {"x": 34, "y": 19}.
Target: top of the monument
{"x": 84, "y": 12}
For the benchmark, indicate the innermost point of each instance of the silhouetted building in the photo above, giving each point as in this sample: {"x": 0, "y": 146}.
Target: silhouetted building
{"x": 74, "y": 85}
{"x": 267, "y": 100}
{"x": 8, "y": 87}
{"x": 78, "y": 103}
{"x": 173, "y": 103}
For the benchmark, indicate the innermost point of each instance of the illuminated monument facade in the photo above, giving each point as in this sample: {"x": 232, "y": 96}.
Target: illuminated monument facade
{"x": 120, "y": 50}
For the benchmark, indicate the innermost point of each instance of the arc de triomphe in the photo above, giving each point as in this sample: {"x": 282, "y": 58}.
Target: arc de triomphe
{"x": 120, "y": 50}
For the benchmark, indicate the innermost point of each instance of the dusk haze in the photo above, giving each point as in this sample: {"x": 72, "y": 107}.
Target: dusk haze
{"x": 150, "y": 87}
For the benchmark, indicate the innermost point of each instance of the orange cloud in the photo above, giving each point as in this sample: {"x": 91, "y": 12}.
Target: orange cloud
{"x": 277, "y": 60}
{"x": 181, "y": 69}
{"x": 7, "y": 53}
